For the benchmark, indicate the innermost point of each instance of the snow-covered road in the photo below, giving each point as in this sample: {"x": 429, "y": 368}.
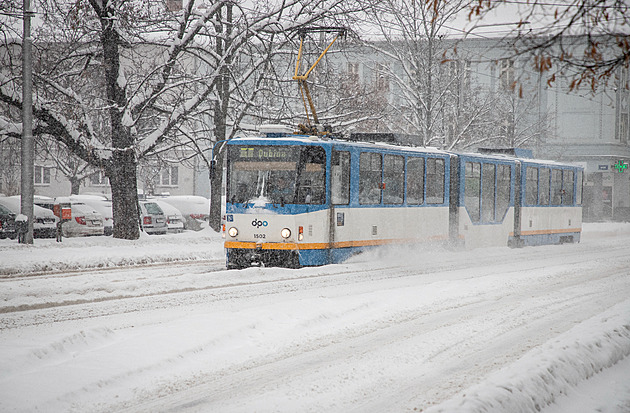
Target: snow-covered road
{"x": 484, "y": 330}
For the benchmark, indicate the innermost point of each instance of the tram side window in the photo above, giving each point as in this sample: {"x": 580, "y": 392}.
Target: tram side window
{"x": 567, "y": 187}
{"x": 311, "y": 185}
{"x": 578, "y": 195}
{"x": 504, "y": 182}
{"x": 435, "y": 181}
{"x": 415, "y": 181}
{"x": 370, "y": 167}
{"x": 531, "y": 186}
{"x": 472, "y": 190}
{"x": 393, "y": 178}
{"x": 340, "y": 178}
{"x": 488, "y": 172}
{"x": 556, "y": 187}
{"x": 543, "y": 193}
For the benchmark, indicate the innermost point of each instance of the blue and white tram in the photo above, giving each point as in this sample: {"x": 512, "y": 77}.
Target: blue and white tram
{"x": 299, "y": 200}
{"x": 515, "y": 200}
{"x": 550, "y": 200}
{"x": 296, "y": 200}
{"x": 485, "y": 199}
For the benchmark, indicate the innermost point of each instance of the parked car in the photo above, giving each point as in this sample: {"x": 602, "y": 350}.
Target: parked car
{"x": 44, "y": 201}
{"x": 45, "y": 223}
{"x": 174, "y": 218}
{"x": 194, "y": 208}
{"x": 153, "y": 218}
{"x": 102, "y": 205}
{"x": 86, "y": 221}
{"x": 7, "y": 223}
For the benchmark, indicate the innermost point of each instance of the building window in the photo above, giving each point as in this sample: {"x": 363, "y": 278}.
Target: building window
{"x": 42, "y": 175}
{"x": 382, "y": 77}
{"x": 466, "y": 75}
{"x": 169, "y": 176}
{"x": 506, "y": 74}
{"x": 353, "y": 71}
{"x": 624, "y": 127}
{"x": 98, "y": 179}
{"x": 173, "y": 5}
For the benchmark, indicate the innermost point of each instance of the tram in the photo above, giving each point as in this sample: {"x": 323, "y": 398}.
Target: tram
{"x": 302, "y": 200}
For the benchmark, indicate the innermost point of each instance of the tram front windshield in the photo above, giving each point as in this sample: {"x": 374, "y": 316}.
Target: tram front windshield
{"x": 276, "y": 174}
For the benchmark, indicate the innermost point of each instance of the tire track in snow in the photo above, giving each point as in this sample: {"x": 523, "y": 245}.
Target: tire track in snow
{"x": 226, "y": 284}
{"x": 447, "y": 336}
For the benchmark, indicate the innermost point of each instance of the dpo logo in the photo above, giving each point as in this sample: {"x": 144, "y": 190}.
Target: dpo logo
{"x": 258, "y": 223}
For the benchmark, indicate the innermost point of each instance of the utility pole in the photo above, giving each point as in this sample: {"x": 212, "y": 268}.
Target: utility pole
{"x": 27, "y": 184}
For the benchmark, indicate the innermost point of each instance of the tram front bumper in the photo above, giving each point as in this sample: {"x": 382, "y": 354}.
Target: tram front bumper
{"x": 268, "y": 254}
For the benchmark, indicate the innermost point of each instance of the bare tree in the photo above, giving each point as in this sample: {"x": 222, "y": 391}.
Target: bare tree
{"x": 116, "y": 82}
{"x": 414, "y": 47}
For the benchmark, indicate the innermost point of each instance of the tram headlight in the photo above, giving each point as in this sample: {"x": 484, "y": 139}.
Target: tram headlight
{"x": 232, "y": 232}
{"x": 285, "y": 233}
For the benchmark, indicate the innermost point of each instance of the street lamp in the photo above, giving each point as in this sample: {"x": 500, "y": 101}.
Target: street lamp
{"x": 26, "y": 180}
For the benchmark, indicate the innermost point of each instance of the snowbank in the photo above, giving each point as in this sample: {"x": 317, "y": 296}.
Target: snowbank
{"x": 544, "y": 374}
{"x": 46, "y": 255}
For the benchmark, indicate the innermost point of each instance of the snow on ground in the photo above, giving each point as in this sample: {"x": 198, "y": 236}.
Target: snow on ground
{"x": 47, "y": 255}
{"x": 557, "y": 369}
{"x": 87, "y": 325}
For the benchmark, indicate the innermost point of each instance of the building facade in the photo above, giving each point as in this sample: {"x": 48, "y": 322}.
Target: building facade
{"x": 583, "y": 126}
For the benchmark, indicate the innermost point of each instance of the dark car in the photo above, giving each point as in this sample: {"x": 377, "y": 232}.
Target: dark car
{"x": 45, "y": 222}
{"x": 7, "y": 223}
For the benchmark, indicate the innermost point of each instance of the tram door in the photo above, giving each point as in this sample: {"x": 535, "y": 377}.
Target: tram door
{"x": 340, "y": 198}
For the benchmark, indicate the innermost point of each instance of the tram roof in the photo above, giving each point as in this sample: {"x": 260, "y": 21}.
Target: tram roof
{"x": 296, "y": 139}
{"x": 512, "y": 158}
{"x": 319, "y": 140}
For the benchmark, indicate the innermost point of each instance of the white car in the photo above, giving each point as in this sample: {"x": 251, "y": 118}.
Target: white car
{"x": 85, "y": 221}
{"x": 44, "y": 201}
{"x": 153, "y": 218}
{"x": 174, "y": 218}
{"x": 194, "y": 208}
{"x": 102, "y": 205}
{"x": 45, "y": 224}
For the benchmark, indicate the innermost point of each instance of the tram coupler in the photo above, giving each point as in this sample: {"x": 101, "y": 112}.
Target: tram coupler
{"x": 256, "y": 260}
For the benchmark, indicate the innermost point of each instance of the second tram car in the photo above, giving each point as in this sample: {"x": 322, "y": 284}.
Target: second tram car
{"x": 298, "y": 200}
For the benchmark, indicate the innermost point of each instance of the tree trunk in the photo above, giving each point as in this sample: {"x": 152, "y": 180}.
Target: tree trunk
{"x": 216, "y": 183}
{"x": 75, "y": 185}
{"x": 220, "y": 118}
{"x": 122, "y": 179}
{"x": 122, "y": 168}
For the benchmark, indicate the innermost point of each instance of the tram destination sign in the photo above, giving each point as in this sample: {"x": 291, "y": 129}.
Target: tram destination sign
{"x": 267, "y": 153}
